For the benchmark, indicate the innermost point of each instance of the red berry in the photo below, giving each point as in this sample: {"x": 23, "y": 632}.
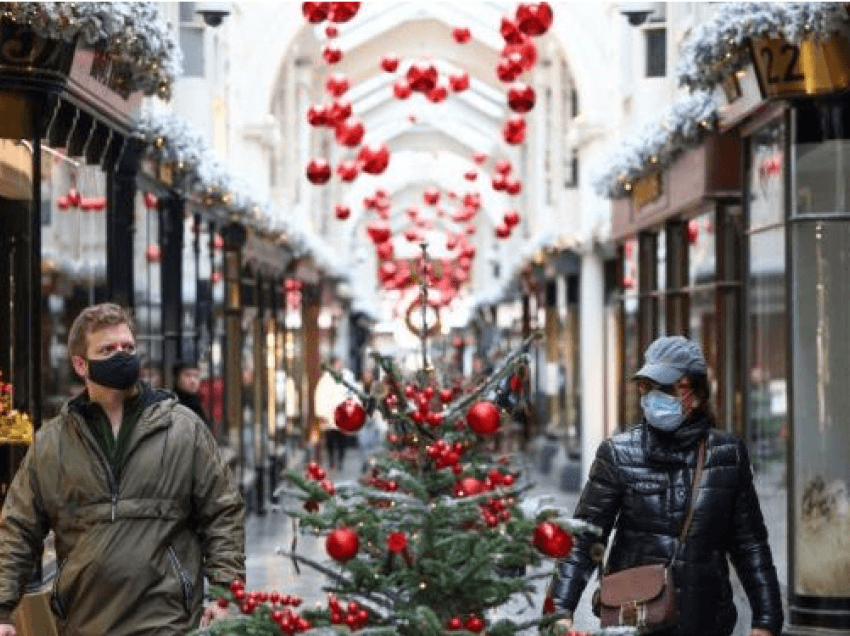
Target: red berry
{"x": 455, "y": 623}
{"x": 236, "y": 585}
{"x": 222, "y": 602}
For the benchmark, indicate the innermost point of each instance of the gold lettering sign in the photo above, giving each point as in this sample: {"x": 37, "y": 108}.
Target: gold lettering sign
{"x": 813, "y": 67}
{"x": 647, "y": 190}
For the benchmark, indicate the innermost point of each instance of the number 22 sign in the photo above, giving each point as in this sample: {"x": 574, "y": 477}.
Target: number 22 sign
{"x": 812, "y": 67}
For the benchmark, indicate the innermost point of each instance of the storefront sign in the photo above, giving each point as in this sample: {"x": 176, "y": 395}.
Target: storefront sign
{"x": 103, "y": 82}
{"x": 813, "y": 67}
{"x": 738, "y": 95}
{"x": 647, "y": 190}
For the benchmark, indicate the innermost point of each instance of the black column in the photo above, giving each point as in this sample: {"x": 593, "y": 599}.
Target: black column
{"x": 120, "y": 228}
{"x": 234, "y": 238}
{"x": 171, "y": 281}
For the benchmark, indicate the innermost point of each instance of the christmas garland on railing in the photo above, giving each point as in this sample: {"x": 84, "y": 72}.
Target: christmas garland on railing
{"x": 718, "y": 47}
{"x": 136, "y": 33}
{"x": 683, "y": 125}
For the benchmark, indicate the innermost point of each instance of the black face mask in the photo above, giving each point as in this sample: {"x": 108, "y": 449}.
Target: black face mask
{"x": 119, "y": 371}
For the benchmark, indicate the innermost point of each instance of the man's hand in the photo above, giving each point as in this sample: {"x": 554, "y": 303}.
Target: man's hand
{"x": 7, "y": 630}
{"x": 212, "y": 613}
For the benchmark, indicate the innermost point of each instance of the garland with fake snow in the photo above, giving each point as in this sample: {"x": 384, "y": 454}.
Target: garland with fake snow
{"x": 133, "y": 32}
{"x": 718, "y": 47}
{"x": 683, "y": 125}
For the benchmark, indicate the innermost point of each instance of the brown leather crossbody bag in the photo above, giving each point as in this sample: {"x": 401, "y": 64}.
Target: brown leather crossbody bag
{"x": 644, "y": 596}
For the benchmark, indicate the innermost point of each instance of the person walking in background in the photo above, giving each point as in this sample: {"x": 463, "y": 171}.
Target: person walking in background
{"x": 136, "y": 492}
{"x": 187, "y": 382}
{"x": 328, "y": 395}
{"x": 370, "y": 438}
{"x": 640, "y": 484}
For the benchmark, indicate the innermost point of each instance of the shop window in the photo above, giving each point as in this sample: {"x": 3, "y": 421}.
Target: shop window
{"x": 656, "y": 52}
{"x": 571, "y": 169}
{"x": 192, "y": 46}
{"x": 765, "y": 186}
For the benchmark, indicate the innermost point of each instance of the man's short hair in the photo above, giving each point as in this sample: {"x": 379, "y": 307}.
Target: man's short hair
{"x": 93, "y": 319}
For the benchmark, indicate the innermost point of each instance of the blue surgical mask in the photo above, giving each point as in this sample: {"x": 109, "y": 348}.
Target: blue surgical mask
{"x": 662, "y": 411}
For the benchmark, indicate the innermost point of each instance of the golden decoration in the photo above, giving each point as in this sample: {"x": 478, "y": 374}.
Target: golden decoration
{"x": 815, "y": 66}
{"x": 432, "y": 330}
{"x": 15, "y": 427}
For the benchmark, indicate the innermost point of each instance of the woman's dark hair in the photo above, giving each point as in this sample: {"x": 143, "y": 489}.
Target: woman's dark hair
{"x": 702, "y": 391}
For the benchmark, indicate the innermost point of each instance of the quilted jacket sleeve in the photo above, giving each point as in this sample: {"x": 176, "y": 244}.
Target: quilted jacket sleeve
{"x": 23, "y": 526}
{"x": 599, "y": 504}
{"x": 750, "y": 552}
{"x": 220, "y": 512}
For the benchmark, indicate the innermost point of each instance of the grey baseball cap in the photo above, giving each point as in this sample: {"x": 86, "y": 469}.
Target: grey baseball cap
{"x": 669, "y": 358}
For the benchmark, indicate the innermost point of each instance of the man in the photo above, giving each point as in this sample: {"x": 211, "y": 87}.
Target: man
{"x": 187, "y": 382}
{"x": 136, "y": 492}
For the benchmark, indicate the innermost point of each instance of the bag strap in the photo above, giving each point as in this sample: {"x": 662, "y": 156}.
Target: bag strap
{"x": 697, "y": 476}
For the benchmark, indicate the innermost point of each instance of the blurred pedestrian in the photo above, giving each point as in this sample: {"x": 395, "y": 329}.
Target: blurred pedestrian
{"x": 134, "y": 488}
{"x": 327, "y": 396}
{"x": 187, "y": 383}
{"x": 371, "y": 437}
{"x": 640, "y": 484}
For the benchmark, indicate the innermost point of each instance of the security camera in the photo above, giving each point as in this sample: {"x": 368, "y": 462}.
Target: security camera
{"x": 637, "y": 12}
{"x": 213, "y": 13}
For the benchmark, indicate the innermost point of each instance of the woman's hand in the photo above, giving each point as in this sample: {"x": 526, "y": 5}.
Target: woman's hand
{"x": 760, "y": 631}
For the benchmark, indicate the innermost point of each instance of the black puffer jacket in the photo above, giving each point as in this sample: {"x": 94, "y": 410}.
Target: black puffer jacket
{"x": 641, "y": 482}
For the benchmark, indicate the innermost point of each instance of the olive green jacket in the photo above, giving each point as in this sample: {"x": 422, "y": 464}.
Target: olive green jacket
{"x": 132, "y": 555}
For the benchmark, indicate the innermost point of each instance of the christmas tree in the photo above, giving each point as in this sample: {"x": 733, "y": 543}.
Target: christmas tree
{"x": 437, "y": 533}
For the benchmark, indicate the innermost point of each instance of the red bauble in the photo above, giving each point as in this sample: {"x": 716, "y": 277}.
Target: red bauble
{"x": 521, "y": 97}
{"x": 331, "y": 31}
{"x": 342, "y": 544}
{"x": 438, "y": 94}
{"x": 459, "y": 81}
{"x": 396, "y": 541}
{"x": 514, "y": 130}
{"x": 503, "y": 231}
{"x": 347, "y": 170}
{"x": 511, "y": 218}
{"x": 509, "y": 68}
{"x": 384, "y": 250}
{"x": 412, "y": 235}
{"x": 483, "y": 418}
{"x": 499, "y": 182}
{"x": 401, "y": 88}
{"x": 315, "y": 12}
{"x": 342, "y": 11}
{"x": 379, "y": 231}
{"x": 526, "y": 50}
{"x": 342, "y": 212}
{"x": 151, "y": 201}
{"x": 474, "y": 624}
{"x": 318, "y": 171}
{"x": 317, "y": 115}
{"x": 387, "y": 271}
{"x": 431, "y": 195}
{"x": 374, "y": 158}
{"x": 332, "y": 55}
{"x": 479, "y": 157}
{"x": 63, "y": 203}
{"x": 337, "y": 112}
{"x": 350, "y": 132}
{"x": 389, "y": 63}
{"x": 552, "y": 540}
{"x": 692, "y": 231}
{"x": 74, "y": 197}
{"x": 470, "y": 175}
{"x": 349, "y": 416}
{"x": 534, "y": 18}
{"x": 503, "y": 166}
{"x": 462, "y": 35}
{"x": 510, "y": 31}
{"x": 422, "y": 76}
{"x": 337, "y": 84}
{"x": 153, "y": 253}
{"x": 513, "y": 186}
{"x": 454, "y": 623}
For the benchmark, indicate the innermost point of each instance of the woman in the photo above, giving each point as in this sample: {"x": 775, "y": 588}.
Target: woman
{"x": 640, "y": 483}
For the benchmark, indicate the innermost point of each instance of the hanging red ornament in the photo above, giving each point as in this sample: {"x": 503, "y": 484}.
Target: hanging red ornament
{"x": 347, "y": 170}
{"x": 331, "y": 31}
{"x": 318, "y": 171}
{"x": 387, "y": 271}
{"x": 337, "y": 84}
{"x": 74, "y": 198}
{"x": 628, "y": 282}
{"x": 431, "y": 195}
{"x": 412, "y": 212}
{"x": 483, "y": 418}
{"x": 151, "y": 201}
{"x": 470, "y": 175}
{"x": 509, "y": 68}
{"x": 462, "y": 35}
{"x": 342, "y": 11}
{"x": 526, "y": 50}
{"x": 503, "y": 166}
{"x": 218, "y": 242}
{"x": 396, "y": 541}
{"x": 379, "y": 231}
{"x": 153, "y": 253}
{"x": 350, "y": 132}
{"x": 342, "y": 212}
{"x": 401, "y": 88}
{"x": 513, "y": 186}
{"x": 63, "y": 203}
{"x": 331, "y": 54}
{"x": 455, "y": 623}
{"x": 474, "y": 624}
{"x": 511, "y": 218}
{"x": 438, "y": 94}
{"x": 349, "y": 416}
{"x": 521, "y": 97}
{"x": 534, "y": 18}
{"x": 514, "y": 130}
{"x": 315, "y": 12}
{"x": 499, "y": 182}
{"x": 552, "y": 540}
{"x": 479, "y": 157}
{"x": 422, "y": 76}
{"x": 317, "y": 115}
{"x": 459, "y": 81}
{"x": 503, "y": 231}
{"x": 342, "y": 544}
{"x": 216, "y": 277}
{"x": 338, "y": 111}
{"x": 467, "y": 487}
{"x": 374, "y": 158}
{"x": 389, "y": 63}
{"x": 692, "y": 231}
{"x": 510, "y": 31}
{"x": 384, "y": 250}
